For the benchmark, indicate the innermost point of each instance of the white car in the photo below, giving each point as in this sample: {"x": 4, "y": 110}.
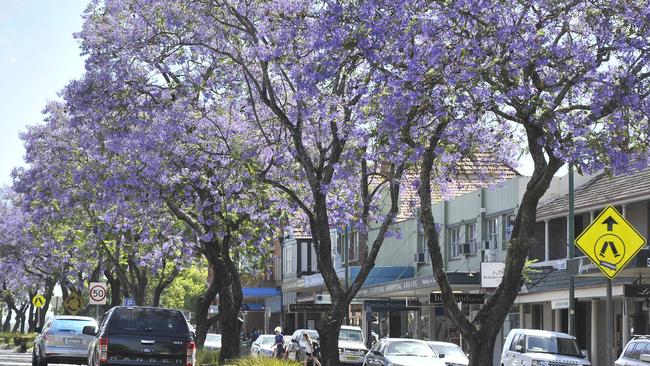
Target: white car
{"x": 263, "y": 346}
{"x": 212, "y": 342}
{"x": 541, "y": 348}
{"x": 403, "y": 352}
{"x": 636, "y": 352}
{"x": 352, "y": 348}
{"x": 450, "y": 353}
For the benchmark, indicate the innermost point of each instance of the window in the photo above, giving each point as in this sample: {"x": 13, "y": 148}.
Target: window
{"x": 515, "y": 341}
{"x": 455, "y": 241}
{"x": 628, "y": 350}
{"x": 638, "y": 349}
{"x": 471, "y": 237}
{"x": 493, "y": 232}
{"x": 71, "y": 325}
{"x": 149, "y": 321}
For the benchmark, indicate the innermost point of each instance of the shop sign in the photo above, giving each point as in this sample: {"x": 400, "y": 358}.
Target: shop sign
{"x": 398, "y": 286}
{"x": 309, "y": 308}
{"x": 636, "y": 290}
{"x": 436, "y": 298}
{"x": 559, "y": 304}
{"x": 492, "y": 274}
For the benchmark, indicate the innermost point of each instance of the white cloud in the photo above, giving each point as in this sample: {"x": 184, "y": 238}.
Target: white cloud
{"x": 13, "y": 60}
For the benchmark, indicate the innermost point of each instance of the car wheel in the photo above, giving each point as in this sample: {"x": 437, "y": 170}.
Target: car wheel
{"x": 34, "y": 358}
{"x": 42, "y": 361}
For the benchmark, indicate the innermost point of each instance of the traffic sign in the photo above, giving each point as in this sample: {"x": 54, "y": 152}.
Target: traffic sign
{"x": 310, "y": 308}
{"x": 97, "y": 293}
{"x": 610, "y": 242}
{"x": 129, "y": 301}
{"x": 38, "y": 301}
{"x": 73, "y": 303}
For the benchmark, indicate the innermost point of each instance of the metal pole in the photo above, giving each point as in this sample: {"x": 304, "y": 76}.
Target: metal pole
{"x": 572, "y": 297}
{"x": 610, "y": 324}
{"x": 346, "y": 244}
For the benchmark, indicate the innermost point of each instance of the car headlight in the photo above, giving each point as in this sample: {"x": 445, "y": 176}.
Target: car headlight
{"x": 539, "y": 363}
{"x": 393, "y": 364}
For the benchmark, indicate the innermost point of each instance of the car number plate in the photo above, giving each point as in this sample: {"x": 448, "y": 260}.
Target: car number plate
{"x": 74, "y": 341}
{"x": 352, "y": 358}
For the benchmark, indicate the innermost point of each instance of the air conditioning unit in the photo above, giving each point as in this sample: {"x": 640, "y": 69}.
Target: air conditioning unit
{"x": 489, "y": 244}
{"x": 420, "y": 258}
{"x": 490, "y": 255}
{"x": 464, "y": 248}
{"x": 322, "y": 299}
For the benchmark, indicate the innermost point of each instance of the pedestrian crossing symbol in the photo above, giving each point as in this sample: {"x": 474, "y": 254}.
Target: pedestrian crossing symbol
{"x": 38, "y": 301}
{"x": 610, "y": 242}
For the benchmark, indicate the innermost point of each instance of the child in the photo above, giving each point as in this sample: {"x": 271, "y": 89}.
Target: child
{"x": 310, "y": 358}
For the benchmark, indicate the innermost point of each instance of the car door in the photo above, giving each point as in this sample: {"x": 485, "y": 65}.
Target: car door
{"x": 372, "y": 359}
{"x": 508, "y": 355}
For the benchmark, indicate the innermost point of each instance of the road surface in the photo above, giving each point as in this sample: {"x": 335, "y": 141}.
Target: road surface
{"x": 10, "y": 358}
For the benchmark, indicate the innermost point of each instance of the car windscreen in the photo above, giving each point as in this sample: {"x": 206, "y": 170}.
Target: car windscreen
{"x": 312, "y": 334}
{"x": 409, "y": 348}
{"x": 554, "y": 345}
{"x": 267, "y": 340}
{"x": 448, "y": 350}
{"x": 350, "y": 335}
{"x": 149, "y": 321}
{"x": 71, "y": 325}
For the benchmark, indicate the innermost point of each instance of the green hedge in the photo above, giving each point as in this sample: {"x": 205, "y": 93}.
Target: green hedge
{"x": 263, "y": 361}
{"x": 21, "y": 341}
{"x": 205, "y": 358}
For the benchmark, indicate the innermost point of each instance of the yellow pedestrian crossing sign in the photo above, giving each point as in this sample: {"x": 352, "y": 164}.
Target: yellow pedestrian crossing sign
{"x": 38, "y": 301}
{"x": 610, "y": 242}
{"x": 73, "y": 303}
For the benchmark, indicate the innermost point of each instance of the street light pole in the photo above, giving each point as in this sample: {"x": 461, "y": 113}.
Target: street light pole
{"x": 346, "y": 250}
{"x": 572, "y": 300}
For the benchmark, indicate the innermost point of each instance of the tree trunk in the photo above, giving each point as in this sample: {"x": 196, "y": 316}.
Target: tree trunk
{"x": 115, "y": 285}
{"x": 163, "y": 283}
{"x": 226, "y": 276}
{"x": 6, "y": 326}
{"x": 328, "y": 332}
{"x": 32, "y": 318}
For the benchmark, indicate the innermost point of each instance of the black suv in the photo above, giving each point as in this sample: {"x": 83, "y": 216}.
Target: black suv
{"x": 141, "y": 336}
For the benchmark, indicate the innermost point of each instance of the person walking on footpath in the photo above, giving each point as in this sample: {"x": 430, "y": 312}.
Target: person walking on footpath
{"x": 310, "y": 352}
{"x": 279, "y": 343}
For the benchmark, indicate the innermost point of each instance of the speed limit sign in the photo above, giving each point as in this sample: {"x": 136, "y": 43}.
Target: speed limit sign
{"x": 97, "y": 293}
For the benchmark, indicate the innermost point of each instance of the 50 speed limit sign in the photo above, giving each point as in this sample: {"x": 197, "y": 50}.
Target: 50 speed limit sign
{"x": 97, "y": 293}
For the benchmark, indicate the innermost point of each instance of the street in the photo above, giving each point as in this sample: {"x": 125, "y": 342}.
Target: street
{"x": 10, "y": 358}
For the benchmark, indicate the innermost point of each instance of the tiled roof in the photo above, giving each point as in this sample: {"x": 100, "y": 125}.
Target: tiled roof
{"x": 470, "y": 176}
{"x": 600, "y": 191}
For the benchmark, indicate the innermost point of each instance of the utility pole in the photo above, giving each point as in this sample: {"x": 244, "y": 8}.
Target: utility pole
{"x": 571, "y": 240}
{"x": 346, "y": 250}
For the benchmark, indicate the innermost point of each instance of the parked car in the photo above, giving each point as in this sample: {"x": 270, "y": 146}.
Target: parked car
{"x": 212, "y": 342}
{"x": 141, "y": 336}
{"x": 451, "y": 353}
{"x": 263, "y": 346}
{"x": 524, "y": 346}
{"x": 403, "y": 352}
{"x": 61, "y": 340}
{"x": 636, "y": 352}
{"x": 296, "y": 348}
{"x": 352, "y": 347}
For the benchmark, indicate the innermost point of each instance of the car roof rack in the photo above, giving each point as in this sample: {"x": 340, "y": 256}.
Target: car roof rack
{"x": 640, "y": 336}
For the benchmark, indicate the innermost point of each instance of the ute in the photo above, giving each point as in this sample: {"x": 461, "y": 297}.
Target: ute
{"x": 141, "y": 336}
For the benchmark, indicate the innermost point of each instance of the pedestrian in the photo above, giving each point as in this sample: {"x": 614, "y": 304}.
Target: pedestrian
{"x": 310, "y": 352}
{"x": 279, "y": 343}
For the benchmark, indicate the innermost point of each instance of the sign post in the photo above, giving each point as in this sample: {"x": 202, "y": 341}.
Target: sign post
{"x": 97, "y": 295}
{"x": 73, "y": 303}
{"x": 38, "y": 301}
{"x": 610, "y": 242}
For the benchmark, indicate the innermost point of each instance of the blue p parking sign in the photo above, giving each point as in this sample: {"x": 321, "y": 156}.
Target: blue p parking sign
{"x": 129, "y": 301}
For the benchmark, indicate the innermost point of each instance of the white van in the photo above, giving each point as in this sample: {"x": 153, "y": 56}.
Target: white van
{"x": 524, "y": 347}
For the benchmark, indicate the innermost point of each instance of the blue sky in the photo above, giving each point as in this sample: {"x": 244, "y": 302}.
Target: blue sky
{"x": 38, "y": 56}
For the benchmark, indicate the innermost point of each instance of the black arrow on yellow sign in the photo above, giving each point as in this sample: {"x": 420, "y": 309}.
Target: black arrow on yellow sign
{"x": 610, "y": 222}
{"x": 39, "y": 302}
